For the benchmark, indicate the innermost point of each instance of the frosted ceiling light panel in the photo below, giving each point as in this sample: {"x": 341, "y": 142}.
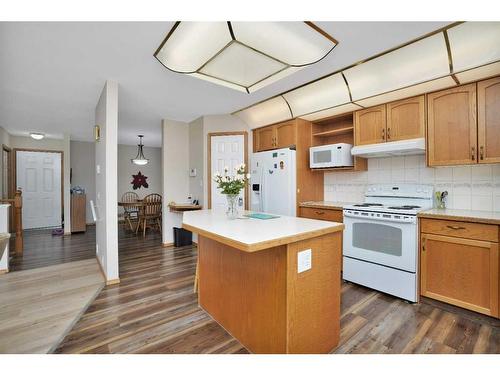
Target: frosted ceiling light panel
{"x": 265, "y": 113}
{"x": 341, "y": 109}
{"x": 473, "y": 44}
{"x": 476, "y": 74}
{"x": 407, "y": 92}
{"x": 325, "y": 93}
{"x": 415, "y": 63}
{"x": 245, "y": 56}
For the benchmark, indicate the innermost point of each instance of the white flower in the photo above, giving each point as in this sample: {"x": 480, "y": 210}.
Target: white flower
{"x": 249, "y": 175}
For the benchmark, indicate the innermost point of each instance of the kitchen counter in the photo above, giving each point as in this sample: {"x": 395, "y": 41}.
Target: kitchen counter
{"x": 473, "y": 216}
{"x": 327, "y": 205}
{"x": 250, "y": 235}
{"x": 272, "y": 284}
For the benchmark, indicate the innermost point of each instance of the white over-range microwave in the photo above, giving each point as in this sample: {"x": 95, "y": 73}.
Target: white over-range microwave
{"x": 331, "y": 156}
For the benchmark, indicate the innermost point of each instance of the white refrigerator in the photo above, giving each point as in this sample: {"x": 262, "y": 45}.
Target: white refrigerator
{"x": 273, "y": 182}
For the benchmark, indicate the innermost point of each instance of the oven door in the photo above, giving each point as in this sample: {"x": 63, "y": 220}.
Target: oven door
{"x": 384, "y": 242}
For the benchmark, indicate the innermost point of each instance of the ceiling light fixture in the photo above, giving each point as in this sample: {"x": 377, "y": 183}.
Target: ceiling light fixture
{"x": 245, "y": 56}
{"x": 140, "y": 159}
{"x": 37, "y": 136}
{"x": 435, "y": 61}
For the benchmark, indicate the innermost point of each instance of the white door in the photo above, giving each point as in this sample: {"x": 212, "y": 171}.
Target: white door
{"x": 226, "y": 151}
{"x": 39, "y": 178}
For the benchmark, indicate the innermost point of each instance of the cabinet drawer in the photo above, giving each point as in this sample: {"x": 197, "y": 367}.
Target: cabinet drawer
{"x": 321, "y": 214}
{"x": 482, "y": 232}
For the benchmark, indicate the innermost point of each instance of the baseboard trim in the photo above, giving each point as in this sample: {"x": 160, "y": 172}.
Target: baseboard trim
{"x": 2, "y": 272}
{"x": 167, "y": 244}
{"x": 108, "y": 282}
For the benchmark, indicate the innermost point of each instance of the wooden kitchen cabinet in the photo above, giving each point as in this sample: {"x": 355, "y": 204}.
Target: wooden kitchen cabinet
{"x": 370, "y": 125}
{"x": 460, "y": 270}
{"x": 452, "y": 126}
{"x": 264, "y": 138}
{"x": 488, "y": 120}
{"x": 78, "y": 213}
{"x": 406, "y": 119}
{"x": 285, "y": 134}
{"x": 322, "y": 214}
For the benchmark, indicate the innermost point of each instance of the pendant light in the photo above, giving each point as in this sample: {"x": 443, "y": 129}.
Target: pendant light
{"x": 140, "y": 159}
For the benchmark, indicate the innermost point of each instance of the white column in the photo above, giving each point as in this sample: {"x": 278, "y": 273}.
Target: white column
{"x": 67, "y": 184}
{"x": 175, "y": 173}
{"x": 106, "y": 116}
{"x": 4, "y": 228}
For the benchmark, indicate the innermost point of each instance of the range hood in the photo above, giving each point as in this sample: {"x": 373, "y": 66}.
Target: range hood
{"x": 414, "y": 146}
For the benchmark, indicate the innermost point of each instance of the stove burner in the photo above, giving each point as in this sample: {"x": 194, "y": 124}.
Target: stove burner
{"x": 368, "y": 205}
{"x": 406, "y": 207}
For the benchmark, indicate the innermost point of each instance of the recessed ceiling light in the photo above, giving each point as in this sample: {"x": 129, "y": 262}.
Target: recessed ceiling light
{"x": 37, "y": 136}
{"x": 245, "y": 56}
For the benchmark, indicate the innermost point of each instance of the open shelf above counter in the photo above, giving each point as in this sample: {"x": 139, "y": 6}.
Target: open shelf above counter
{"x": 337, "y": 129}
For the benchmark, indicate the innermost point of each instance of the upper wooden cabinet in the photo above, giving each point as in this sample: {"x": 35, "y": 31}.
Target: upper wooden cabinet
{"x": 488, "y": 117}
{"x": 406, "y": 119}
{"x": 264, "y": 138}
{"x": 285, "y": 134}
{"x": 370, "y": 125}
{"x": 275, "y": 136}
{"x": 452, "y": 126}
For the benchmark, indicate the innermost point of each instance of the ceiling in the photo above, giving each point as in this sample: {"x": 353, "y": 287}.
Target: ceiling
{"x": 51, "y": 74}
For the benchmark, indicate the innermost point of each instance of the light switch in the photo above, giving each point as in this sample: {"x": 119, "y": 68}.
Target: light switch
{"x": 304, "y": 260}
{"x": 98, "y": 169}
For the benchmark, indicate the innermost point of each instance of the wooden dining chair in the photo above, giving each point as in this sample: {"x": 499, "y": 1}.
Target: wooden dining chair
{"x": 150, "y": 215}
{"x": 131, "y": 213}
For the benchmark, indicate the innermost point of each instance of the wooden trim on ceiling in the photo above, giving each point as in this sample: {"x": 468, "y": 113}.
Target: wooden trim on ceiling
{"x": 321, "y": 31}
{"x": 209, "y": 162}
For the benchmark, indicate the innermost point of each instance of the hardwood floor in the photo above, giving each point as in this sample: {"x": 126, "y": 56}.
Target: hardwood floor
{"x": 41, "y": 249}
{"x": 154, "y": 310}
{"x": 39, "y": 306}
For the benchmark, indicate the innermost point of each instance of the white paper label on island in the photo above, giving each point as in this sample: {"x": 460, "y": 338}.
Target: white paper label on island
{"x": 304, "y": 258}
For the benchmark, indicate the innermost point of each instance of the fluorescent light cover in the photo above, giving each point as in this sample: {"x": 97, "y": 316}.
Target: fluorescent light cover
{"x": 299, "y": 44}
{"x": 341, "y": 109}
{"x": 482, "y": 72}
{"x": 421, "y": 61}
{"x": 325, "y": 93}
{"x": 434, "y": 85}
{"x": 192, "y": 44}
{"x": 473, "y": 44}
{"x": 274, "y": 78}
{"x": 140, "y": 161}
{"x": 265, "y": 113}
{"x": 37, "y": 136}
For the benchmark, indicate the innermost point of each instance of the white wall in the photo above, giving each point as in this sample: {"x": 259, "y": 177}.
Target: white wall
{"x": 474, "y": 187}
{"x": 196, "y": 144}
{"x": 126, "y": 169}
{"x": 83, "y": 166}
{"x": 175, "y": 166}
{"x": 106, "y": 116}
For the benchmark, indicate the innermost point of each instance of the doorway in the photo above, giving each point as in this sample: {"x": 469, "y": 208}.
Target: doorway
{"x": 225, "y": 149}
{"x": 39, "y": 177}
{"x": 8, "y": 182}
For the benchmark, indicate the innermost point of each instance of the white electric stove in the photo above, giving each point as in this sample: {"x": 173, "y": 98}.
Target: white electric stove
{"x": 381, "y": 238}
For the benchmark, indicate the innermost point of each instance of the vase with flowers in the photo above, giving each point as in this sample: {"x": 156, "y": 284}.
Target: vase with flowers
{"x": 231, "y": 184}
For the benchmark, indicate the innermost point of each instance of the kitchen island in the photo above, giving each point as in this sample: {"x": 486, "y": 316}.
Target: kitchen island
{"x": 272, "y": 284}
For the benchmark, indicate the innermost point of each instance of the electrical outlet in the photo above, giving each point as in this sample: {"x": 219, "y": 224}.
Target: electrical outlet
{"x": 304, "y": 260}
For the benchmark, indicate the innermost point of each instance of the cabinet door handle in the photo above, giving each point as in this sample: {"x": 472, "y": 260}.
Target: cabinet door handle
{"x": 473, "y": 153}
{"x": 423, "y": 244}
{"x": 383, "y": 134}
{"x": 481, "y": 152}
{"x": 319, "y": 212}
{"x": 388, "y": 133}
{"x": 455, "y": 227}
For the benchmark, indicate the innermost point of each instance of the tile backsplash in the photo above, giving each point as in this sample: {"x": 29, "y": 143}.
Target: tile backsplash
{"x": 475, "y": 187}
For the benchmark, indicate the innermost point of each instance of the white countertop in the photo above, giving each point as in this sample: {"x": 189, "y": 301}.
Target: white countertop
{"x": 488, "y": 217}
{"x": 249, "y": 234}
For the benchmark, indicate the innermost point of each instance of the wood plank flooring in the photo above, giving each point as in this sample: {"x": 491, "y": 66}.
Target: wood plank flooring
{"x": 154, "y": 310}
{"x": 41, "y": 249}
{"x": 39, "y": 306}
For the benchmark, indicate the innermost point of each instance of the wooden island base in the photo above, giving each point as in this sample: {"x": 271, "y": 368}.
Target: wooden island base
{"x": 261, "y": 299}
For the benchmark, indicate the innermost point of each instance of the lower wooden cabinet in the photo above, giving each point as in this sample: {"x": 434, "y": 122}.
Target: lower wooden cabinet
{"x": 321, "y": 214}
{"x": 460, "y": 271}
{"x": 78, "y": 213}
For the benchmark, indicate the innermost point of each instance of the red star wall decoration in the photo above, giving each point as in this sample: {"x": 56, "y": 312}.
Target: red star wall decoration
{"x": 139, "y": 180}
